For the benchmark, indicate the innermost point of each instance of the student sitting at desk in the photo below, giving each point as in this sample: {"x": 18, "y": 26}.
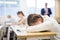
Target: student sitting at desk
{"x": 38, "y": 23}
{"x": 34, "y": 19}
{"x": 8, "y": 22}
{"x": 22, "y": 20}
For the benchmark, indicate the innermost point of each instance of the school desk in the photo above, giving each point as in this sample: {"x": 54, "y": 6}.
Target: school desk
{"x": 24, "y": 34}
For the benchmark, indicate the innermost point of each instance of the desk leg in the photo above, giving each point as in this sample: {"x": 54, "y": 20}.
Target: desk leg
{"x": 52, "y": 38}
{"x": 1, "y": 34}
{"x": 14, "y": 37}
{"x": 8, "y": 35}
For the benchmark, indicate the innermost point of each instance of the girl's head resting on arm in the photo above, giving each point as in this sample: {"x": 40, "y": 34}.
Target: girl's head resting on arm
{"x": 20, "y": 14}
{"x": 9, "y": 16}
{"x": 34, "y": 19}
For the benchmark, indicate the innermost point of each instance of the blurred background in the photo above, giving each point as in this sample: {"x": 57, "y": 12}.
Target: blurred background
{"x": 11, "y": 7}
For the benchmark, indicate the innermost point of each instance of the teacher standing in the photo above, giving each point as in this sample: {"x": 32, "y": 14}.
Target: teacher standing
{"x": 46, "y": 10}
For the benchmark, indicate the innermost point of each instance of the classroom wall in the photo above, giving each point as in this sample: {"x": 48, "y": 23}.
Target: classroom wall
{"x": 57, "y": 10}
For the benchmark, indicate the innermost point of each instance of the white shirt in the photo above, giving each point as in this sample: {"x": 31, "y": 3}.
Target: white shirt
{"x": 9, "y": 21}
{"x": 46, "y": 10}
{"x": 48, "y": 24}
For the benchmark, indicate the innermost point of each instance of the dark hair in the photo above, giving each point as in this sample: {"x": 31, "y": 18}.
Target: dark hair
{"x": 9, "y": 16}
{"x": 20, "y": 12}
{"x": 32, "y": 18}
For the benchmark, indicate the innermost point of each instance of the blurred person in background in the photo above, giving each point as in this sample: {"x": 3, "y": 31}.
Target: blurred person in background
{"x": 8, "y": 22}
{"x": 38, "y": 23}
{"x": 22, "y": 20}
{"x": 46, "y": 10}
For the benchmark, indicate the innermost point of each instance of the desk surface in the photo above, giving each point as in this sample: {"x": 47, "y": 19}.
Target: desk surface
{"x": 25, "y": 34}
{"x": 41, "y": 34}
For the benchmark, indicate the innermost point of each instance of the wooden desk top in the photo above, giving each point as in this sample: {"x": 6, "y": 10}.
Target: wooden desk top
{"x": 41, "y": 34}
{"x": 25, "y": 34}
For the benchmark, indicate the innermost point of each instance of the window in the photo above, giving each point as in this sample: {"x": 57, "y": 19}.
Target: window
{"x": 8, "y": 7}
{"x": 35, "y": 6}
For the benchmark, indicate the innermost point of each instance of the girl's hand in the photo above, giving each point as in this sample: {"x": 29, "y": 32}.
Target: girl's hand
{"x": 15, "y": 23}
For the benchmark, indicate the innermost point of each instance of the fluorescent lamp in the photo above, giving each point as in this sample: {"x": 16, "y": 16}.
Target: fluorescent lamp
{"x": 8, "y": 2}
